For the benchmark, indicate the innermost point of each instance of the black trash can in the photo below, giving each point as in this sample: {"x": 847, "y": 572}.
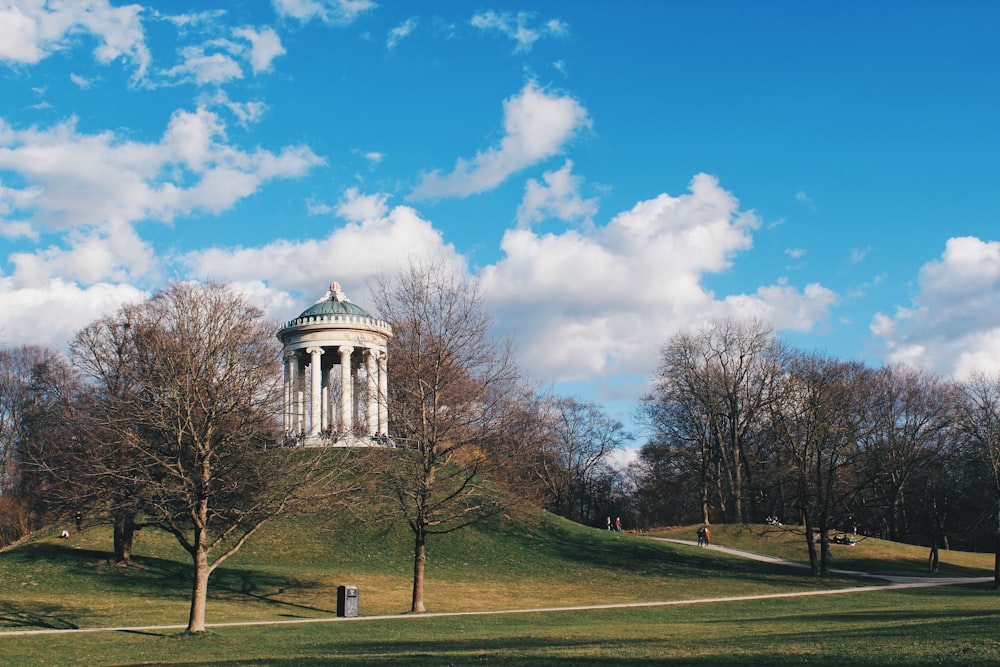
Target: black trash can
{"x": 347, "y": 600}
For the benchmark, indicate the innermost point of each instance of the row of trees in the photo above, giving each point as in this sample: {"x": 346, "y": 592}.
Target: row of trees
{"x": 746, "y": 427}
{"x": 164, "y": 416}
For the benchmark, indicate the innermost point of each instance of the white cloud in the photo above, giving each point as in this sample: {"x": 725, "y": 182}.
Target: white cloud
{"x": 784, "y": 306}
{"x": 81, "y": 82}
{"x": 331, "y": 12}
{"x": 113, "y": 253}
{"x": 247, "y": 113}
{"x": 50, "y": 313}
{"x": 265, "y": 46}
{"x": 518, "y": 27}
{"x": 537, "y": 125}
{"x": 953, "y": 324}
{"x": 183, "y": 21}
{"x": 375, "y": 239}
{"x": 558, "y": 197}
{"x": 400, "y": 32}
{"x": 205, "y": 68}
{"x": 858, "y": 254}
{"x": 355, "y": 207}
{"x": 584, "y": 304}
{"x": 74, "y": 179}
{"x": 31, "y": 30}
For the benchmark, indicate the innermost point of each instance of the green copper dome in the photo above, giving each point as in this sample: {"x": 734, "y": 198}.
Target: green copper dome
{"x": 334, "y": 302}
{"x": 334, "y": 314}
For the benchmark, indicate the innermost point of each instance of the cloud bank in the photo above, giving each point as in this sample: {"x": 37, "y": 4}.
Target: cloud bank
{"x": 952, "y": 326}
{"x": 537, "y": 125}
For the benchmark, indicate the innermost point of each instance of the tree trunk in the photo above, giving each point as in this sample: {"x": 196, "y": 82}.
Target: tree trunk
{"x": 199, "y": 592}
{"x": 824, "y": 543}
{"x": 124, "y": 532}
{"x": 811, "y": 543}
{"x": 419, "y": 560}
{"x": 996, "y": 564}
{"x": 704, "y": 501}
{"x": 996, "y": 558}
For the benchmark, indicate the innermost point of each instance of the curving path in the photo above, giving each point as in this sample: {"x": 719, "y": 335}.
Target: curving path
{"x": 895, "y": 583}
{"x": 897, "y": 580}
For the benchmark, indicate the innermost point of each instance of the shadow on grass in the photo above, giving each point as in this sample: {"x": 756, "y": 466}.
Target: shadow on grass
{"x": 534, "y": 651}
{"x": 909, "y": 567}
{"x": 148, "y": 577}
{"x": 637, "y": 556}
{"x": 37, "y": 615}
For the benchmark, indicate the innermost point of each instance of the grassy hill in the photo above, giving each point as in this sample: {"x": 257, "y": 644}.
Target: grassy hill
{"x": 293, "y": 569}
{"x": 868, "y": 554}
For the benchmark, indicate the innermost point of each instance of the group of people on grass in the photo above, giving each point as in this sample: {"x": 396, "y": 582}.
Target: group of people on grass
{"x": 617, "y": 524}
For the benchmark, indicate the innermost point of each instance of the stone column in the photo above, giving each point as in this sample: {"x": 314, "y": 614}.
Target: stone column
{"x": 329, "y": 413}
{"x": 299, "y": 420}
{"x": 346, "y": 390}
{"x": 315, "y": 395}
{"x": 286, "y": 400}
{"x": 371, "y": 369}
{"x": 383, "y": 394}
{"x": 325, "y": 404}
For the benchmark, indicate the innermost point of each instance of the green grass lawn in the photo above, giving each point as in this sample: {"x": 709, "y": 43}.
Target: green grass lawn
{"x": 869, "y": 554}
{"x": 292, "y": 570}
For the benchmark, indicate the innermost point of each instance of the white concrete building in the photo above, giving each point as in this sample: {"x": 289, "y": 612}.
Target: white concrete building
{"x": 335, "y": 374}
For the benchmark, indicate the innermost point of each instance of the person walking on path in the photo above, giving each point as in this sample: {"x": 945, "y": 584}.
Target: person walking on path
{"x": 708, "y": 535}
{"x": 618, "y": 524}
{"x": 701, "y": 537}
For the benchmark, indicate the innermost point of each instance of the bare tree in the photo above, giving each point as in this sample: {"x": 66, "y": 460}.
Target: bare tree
{"x": 710, "y": 393}
{"x": 981, "y": 423}
{"x": 512, "y": 449}
{"x": 910, "y": 421}
{"x": 187, "y": 390}
{"x": 816, "y": 424}
{"x": 577, "y": 438}
{"x": 36, "y": 392}
{"x": 449, "y": 389}
{"x": 16, "y": 366}
{"x": 103, "y": 461}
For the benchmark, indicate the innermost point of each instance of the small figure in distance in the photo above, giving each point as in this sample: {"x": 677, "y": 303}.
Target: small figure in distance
{"x": 618, "y": 524}
{"x": 64, "y": 535}
{"x": 609, "y": 523}
{"x": 701, "y": 537}
{"x": 708, "y": 536}
{"x": 79, "y": 522}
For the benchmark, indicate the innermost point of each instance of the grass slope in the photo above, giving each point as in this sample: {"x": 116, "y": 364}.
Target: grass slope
{"x": 869, "y": 554}
{"x": 292, "y": 570}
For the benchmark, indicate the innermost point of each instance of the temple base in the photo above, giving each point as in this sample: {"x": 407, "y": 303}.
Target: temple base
{"x": 347, "y": 440}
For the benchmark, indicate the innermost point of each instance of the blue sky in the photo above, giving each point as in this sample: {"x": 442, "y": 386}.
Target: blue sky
{"x": 613, "y": 172}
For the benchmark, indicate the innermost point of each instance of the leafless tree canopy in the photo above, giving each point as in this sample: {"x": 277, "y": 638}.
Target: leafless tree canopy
{"x": 37, "y": 388}
{"x": 746, "y": 428}
{"x": 981, "y": 425}
{"x": 450, "y": 385}
{"x": 711, "y": 390}
{"x": 181, "y": 413}
{"x": 571, "y": 455}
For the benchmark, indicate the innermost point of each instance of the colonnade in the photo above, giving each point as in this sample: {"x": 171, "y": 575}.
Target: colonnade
{"x": 335, "y": 390}
{"x": 335, "y": 376}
